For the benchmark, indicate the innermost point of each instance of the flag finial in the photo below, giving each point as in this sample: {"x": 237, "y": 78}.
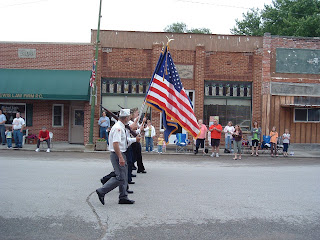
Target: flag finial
{"x": 169, "y": 40}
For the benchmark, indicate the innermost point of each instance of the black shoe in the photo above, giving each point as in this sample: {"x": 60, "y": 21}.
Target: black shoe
{"x": 144, "y": 171}
{"x": 134, "y": 167}
{"x": 126, "y": 201}
{"x": 3, "y": 144}
{"x": 131, "y": 182}
{"x": 15, "y": 147}
{"x": 102, "y": 181}
{"x": 101, "y": 198}
{"x": 133, "y": 175}
{"x": 129, "y": 191}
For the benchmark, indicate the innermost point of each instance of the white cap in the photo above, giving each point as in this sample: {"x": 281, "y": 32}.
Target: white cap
{"x": 124, "y": 113}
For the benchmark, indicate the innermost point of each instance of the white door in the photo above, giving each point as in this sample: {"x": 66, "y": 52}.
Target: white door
{"x": 77, "y": 123}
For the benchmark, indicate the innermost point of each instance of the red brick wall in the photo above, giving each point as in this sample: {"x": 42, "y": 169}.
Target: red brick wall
{"x": 50, "y": 56}
{"x": 42, "y": 116}
{"x": 228, "y": 66}
{"x": 127, "y": 63}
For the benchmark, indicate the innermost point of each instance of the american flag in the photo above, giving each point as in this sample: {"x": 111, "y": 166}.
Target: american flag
{"x": 93, "y": 73}
{"x": 167, "y": 94}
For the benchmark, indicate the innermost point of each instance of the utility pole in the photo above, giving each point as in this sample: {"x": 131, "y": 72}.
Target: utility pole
{"x": 93, "y": 98}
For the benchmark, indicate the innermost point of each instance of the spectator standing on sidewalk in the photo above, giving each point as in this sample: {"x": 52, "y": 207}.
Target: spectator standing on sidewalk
{"x": 273, "y": 141}
{"x": 256, "y": 135}
{"x": 200, "y": 142}
{"x": 8, "y": 134}
{"x": 149, "y": 133}
{"x": 3, "y": 120}
{"x": 237, "y": 142}
{"x": 286, "y": 141}
{"x": 104, "y": 123}
{"x": 228, "y": 130}
{"x": 215, "y": 130}
{"x": 18, "y": 124}
{"x": 160, "y": 143}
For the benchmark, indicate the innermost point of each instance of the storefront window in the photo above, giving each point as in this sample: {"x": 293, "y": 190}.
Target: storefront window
{"x": 57, "y": 114}
{"x": 10, "y": 110}
{"x": 307, "y": 115}
{"x": 237, "y": 111}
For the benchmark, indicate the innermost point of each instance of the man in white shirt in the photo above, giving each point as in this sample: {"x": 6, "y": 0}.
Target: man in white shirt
{"x": 119, "y": 141}
{"x": 17, "y": 126}
{"x": 3, "y": 120}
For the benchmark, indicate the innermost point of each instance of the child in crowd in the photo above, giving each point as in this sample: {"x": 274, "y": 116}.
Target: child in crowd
{"x": 286, "y": 141}
{"x": 273, "y": 141}
{"x": 256, "y": 133}
{"x": 237, "y": 134}
{"x": 160, "y": 143}
{"x": 9, "y": 137}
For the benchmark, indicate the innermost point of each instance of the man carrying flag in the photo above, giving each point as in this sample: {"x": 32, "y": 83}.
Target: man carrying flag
{"x": 167, "y": 94}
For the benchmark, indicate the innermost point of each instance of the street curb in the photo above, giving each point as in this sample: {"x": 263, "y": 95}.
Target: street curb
{"x": 170, "y": 153}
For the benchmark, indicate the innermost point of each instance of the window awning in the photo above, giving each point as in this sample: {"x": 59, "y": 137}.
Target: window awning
{"x": 44, "y": 84}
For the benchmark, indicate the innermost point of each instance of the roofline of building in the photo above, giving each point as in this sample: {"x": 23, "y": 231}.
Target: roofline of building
{"x": 183, "y": 41}
{"x": 39, "y": 43}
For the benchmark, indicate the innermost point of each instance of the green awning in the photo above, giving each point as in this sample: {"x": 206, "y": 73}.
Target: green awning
{"x": 44, "y": 84}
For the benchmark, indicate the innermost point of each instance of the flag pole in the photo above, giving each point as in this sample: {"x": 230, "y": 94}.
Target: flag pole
{"x": 144, "y": 101}
{"x": 93, "y": 90}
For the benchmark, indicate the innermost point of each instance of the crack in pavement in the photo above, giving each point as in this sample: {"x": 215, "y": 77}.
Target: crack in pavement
{"x": 104, "y": 227}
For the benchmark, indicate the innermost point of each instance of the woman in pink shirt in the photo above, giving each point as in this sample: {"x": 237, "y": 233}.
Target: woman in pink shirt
{"x": 202, "y": 136}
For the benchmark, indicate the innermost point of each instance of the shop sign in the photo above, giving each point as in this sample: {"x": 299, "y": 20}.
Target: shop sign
{"x": 21, "y": 95}
{"x": 26, "y": 53}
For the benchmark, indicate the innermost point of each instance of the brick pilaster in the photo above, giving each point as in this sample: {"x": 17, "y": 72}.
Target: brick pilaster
{"x": 199, "y": 74}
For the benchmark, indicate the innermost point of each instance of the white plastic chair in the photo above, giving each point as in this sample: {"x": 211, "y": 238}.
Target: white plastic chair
{"x": 51, "y": 137}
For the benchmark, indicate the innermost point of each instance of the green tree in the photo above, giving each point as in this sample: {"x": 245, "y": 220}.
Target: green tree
{"x": 200, "y": 30}
{"x": 250, "y": 25}
{"x": 180, "y": 27}
{"x": 282, "y": 17}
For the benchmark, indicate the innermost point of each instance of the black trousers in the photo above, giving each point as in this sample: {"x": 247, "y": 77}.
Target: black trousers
{"x": 48, "y": 142}
{"x": 137, "y": 156}
{"x": 130, "y": 161}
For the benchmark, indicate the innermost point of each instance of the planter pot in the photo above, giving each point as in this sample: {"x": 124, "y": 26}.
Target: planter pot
{"x": 101, "y": 146}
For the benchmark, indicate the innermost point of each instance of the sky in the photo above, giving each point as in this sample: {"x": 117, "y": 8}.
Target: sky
{"x": 72, "y": 20}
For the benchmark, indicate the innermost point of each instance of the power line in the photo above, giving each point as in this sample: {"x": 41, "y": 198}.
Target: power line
{"x": 232, "y": 6}
{"x": 18, "y": 4}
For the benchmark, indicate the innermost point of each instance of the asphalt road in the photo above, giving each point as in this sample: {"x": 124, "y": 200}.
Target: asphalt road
{"x": 51, "y": 196}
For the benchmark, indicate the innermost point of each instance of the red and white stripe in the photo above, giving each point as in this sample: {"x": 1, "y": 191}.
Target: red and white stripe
{"x": 175, "y": 104}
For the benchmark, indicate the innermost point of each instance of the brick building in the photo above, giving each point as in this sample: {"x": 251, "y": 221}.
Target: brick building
{"x": 237, "y": 78}
{"x": 48, "y": 84}
{"x": 291, "y": 87}
{"x": 273, "y": 80}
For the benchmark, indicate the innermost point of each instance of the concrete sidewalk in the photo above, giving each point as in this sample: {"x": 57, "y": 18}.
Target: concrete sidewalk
{"x": 298, "y": 150}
